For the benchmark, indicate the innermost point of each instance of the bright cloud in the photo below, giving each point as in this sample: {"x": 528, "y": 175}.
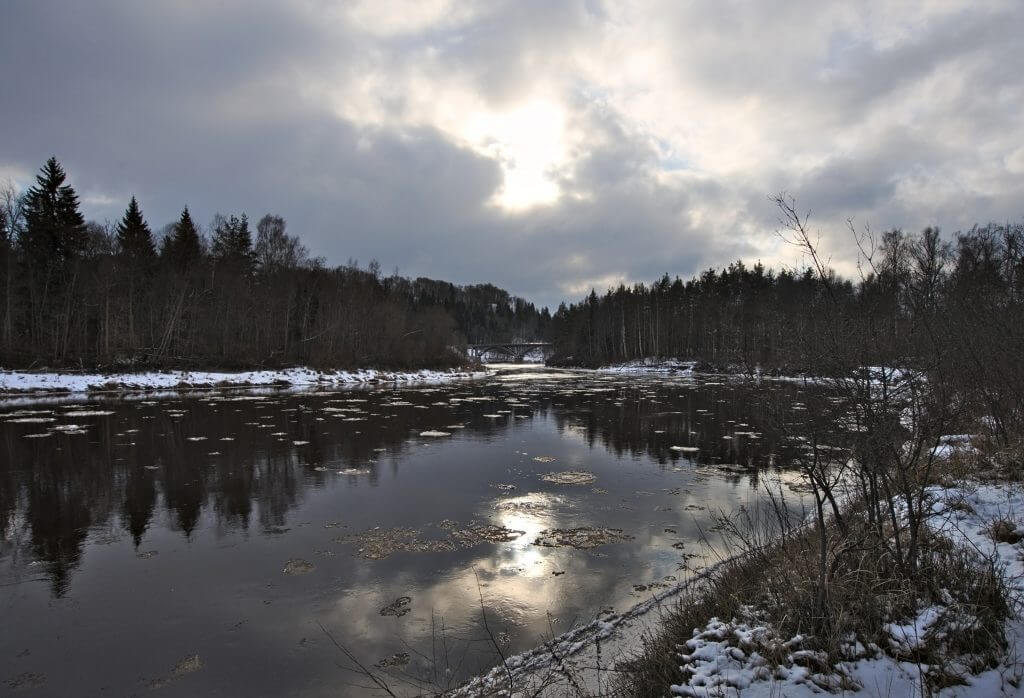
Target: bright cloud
{"x": 507, "y": 141}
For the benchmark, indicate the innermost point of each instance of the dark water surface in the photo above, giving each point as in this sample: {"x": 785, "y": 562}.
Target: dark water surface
{"x": 194, "y": 545}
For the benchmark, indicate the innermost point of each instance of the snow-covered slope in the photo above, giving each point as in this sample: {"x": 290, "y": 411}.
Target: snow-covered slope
{"x": 29, "y": 381}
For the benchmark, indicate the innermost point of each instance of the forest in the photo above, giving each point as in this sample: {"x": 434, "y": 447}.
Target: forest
{"x": 951, "y": 308}
{"x": 78, "y": 293}
{"x": 753, "y": 316}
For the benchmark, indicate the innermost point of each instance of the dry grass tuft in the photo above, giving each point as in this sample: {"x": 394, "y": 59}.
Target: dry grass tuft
{"x": 866, "y": 590}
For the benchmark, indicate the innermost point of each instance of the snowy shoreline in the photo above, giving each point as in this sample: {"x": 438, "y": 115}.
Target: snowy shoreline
{"x": 20, "y": 383}
{"x": 575, "y": 658}
{"x": 584, "y": 656}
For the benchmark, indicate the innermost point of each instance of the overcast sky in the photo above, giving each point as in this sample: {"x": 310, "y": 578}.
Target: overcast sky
{"x": 544, "y": 146}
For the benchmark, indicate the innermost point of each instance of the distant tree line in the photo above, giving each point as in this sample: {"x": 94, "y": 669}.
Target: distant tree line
{"x": 78, "y": 293}
{"x": 952, "y": 307}
{"x": 746, "y": 316}
{"x": 738, "y": 314}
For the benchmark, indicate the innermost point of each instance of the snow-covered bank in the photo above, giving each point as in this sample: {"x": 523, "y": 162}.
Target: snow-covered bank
{"x": 582, "y": 660}
{"x": 722, "y": 658}
{"x": 717, "y": 665}
{"x": 20, "y": 382}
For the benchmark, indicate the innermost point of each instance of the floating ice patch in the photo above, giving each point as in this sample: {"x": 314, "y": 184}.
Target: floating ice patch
{"x": 378, "y": 543}
{"x": 475, "y": 534}
{"x": 582, "y": 538}
{"x": 395, "y": 660}
{"x": 397, "y": 608}
{"x": 435, "y": 433}
{"x": 684, "y": 449}
{"x": 69, "y": 428}
{"x": 570, "y": 477}
{"x": 298, "y": 566}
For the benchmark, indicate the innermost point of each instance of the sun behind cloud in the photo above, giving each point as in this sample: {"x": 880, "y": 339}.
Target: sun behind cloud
{"x": 528, "y": 140}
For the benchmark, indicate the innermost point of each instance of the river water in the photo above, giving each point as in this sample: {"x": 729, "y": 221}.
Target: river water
{"x": 228, "y": 543}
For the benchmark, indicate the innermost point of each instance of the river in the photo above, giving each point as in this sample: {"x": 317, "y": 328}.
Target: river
{"x": 215, "y": 543}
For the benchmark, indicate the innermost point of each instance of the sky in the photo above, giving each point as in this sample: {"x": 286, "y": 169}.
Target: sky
{"x": 546, "y": 147}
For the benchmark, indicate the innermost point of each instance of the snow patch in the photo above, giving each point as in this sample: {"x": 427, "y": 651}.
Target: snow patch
{"x": 55, "y": 382}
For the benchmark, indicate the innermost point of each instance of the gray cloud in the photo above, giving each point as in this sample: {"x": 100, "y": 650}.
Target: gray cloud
{"x": 386, "y": 131}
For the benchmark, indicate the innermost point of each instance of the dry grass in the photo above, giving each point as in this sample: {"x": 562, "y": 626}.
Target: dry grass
{"x": 866, "y": 590}
{"x": 1005, "y": 531}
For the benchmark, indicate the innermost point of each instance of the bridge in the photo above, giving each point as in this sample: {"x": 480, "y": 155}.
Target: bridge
{"x": 515, "y": 351}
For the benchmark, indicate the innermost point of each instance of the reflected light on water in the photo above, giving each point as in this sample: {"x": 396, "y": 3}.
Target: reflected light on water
{"x": 163, "y": 526}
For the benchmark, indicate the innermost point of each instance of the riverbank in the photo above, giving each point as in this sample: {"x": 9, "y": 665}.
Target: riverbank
{"x": 54, "y": 382}
{"x": 953, "y": 630}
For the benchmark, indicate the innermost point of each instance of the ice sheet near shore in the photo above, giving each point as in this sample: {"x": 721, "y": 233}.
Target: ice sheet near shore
{"x": 31, "y": 382}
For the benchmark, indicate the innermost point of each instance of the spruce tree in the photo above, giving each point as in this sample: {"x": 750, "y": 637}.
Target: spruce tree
{"x": 54, "y": 228}
{"x": 182, "y": 249}
{"x": 134, "y": 238}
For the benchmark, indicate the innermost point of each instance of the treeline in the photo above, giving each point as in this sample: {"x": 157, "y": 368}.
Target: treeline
{"x": 482, "y": 312}
{"x": 736, "y": 315}
{"x": 951, "y": 307}
{"x": 751, "y": 316}
{"x": 77, "y": 293}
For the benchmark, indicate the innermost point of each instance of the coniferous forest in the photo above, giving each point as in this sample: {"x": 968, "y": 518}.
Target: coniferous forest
{"x": 78, "y": 293}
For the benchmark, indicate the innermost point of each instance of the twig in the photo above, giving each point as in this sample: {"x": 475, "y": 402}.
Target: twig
{"x": 494, "y": 642}
{"x": 352, "y": 658}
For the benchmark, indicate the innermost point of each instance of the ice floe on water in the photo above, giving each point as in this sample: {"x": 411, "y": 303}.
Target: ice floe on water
{"x": 297, "y": 566}
{"x": 570, "y": 477}
{"x": 397, "y": 608}
{"x": 379, "y": 543}
{"x": 582, "y": 538}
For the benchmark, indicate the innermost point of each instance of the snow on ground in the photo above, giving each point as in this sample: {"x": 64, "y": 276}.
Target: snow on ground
{"x": 30, "y": 381}
{"x": 720, "y": 667}
{"x": 582, "y": 661}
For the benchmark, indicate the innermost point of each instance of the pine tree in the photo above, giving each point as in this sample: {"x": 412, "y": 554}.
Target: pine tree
{"x": 134, "y": 238}
{"x": 54, "y": 228}
{"x": 182, "y": 249}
